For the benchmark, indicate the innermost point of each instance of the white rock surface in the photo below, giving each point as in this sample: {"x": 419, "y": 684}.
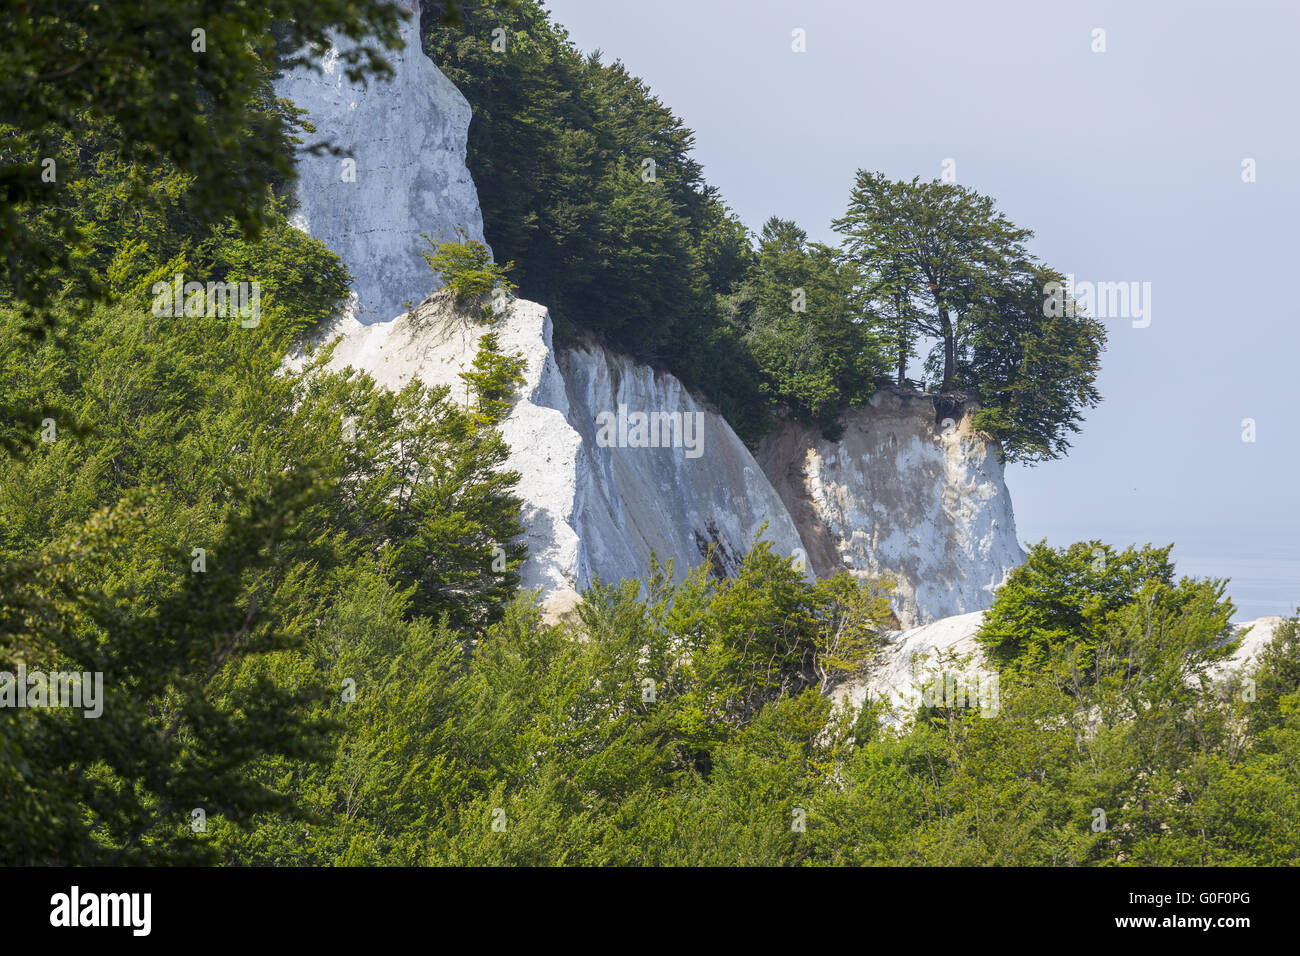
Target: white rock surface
{"x": 436, "y": 343}
{"x": 407, "y": 138}
{"x": 672, "y": 501}
{"x": 908, "y": 491}
{"x": 894, "y": 495}
{"x": 917, "y": 657}
{"x": 1260, "y": 633}
{"x": 590, "y": 510}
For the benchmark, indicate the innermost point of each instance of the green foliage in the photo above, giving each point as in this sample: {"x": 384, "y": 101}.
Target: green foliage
{"x": 493, "y": 380}
{"x": 126, "y": 134}
{"x": 1085, "y": 608}
{"x": 1144, "y": 765}
{"x": 1034, "y": 373}
{"x": 588, "y": 185}
{"x": 197, "y": 438}
{"x": 149, "y": 436}
{"x": 386, "y": 783}
{"x": 136, "y": 85}
{"x": 938, "y": 241}
{"x": 181, "y": 716}
{"x": 940, "y": 261}
{"x": 807, "y": 326}
{"x": 681, "y": 724}
{"x": 1276, "y": 677}
{"x": 584, "y": 743}
{"x": 466, "y": 267}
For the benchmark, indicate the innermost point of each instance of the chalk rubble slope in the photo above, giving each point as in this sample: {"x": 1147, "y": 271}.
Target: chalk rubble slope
{"x": 916, "y": 657}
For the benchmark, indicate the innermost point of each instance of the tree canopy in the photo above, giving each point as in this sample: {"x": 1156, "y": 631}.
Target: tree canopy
{"x": 589, "y": 186}
{"x": 945, "y": 264}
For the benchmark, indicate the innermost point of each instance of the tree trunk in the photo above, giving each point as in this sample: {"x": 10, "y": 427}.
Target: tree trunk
{"x": 949, "y": 349}
{"x": 902, "y": 341}
{"x": 949, "y": 338}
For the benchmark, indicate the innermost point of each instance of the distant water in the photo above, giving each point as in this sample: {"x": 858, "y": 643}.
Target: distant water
{"x": 1264, "y": 567}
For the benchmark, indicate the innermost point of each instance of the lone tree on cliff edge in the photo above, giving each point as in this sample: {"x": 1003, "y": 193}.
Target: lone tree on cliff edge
{"x": 942, "y": 262}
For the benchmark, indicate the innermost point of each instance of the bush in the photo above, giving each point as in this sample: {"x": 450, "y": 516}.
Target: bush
{"x": 467, "y": 268}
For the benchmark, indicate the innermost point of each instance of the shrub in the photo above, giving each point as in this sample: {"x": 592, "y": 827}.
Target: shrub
{"x": 467, "y": 268}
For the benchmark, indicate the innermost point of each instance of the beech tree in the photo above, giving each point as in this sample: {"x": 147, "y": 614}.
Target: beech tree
{"x": 1035, "y": 373}
{"x": 944, "y": 263}
{"x": 167, "y": 102}
{"x": 1067, "y": 602}
{"x": 942, "y": 240}
{"x": 805, "y": 324}
{"x": 191, "y": 549}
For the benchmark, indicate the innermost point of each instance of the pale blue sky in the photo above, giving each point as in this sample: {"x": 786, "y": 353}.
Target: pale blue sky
{"x": 1127, "y": 165}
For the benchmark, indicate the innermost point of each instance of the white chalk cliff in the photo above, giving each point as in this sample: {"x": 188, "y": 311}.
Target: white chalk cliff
{"x": 590, "y": 510}
{"x": 898, "y": 493}
{"x": 406, "y": 142}
{"x": 908, "y": 489}
{"x": 678, "y": 502}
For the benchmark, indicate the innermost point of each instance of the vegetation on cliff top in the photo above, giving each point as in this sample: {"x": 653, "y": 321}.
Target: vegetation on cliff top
{"x": 300, "y": 590}
{"x": 589, "y": 185}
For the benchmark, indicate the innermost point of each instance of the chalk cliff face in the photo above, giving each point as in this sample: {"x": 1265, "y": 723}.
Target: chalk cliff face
{"x": 703, "y": 491}
{"x": 407, "y": 139}
{"x": 618, "y": 460}
{"x": 915, "y": 659}
{"x": 595, "y": 505}
{"x": 909, "y": 489}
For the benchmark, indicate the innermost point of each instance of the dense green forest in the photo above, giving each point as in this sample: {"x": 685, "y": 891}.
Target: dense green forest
{"x": 301, "y": 588}
{"x": 588, "y": 184}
